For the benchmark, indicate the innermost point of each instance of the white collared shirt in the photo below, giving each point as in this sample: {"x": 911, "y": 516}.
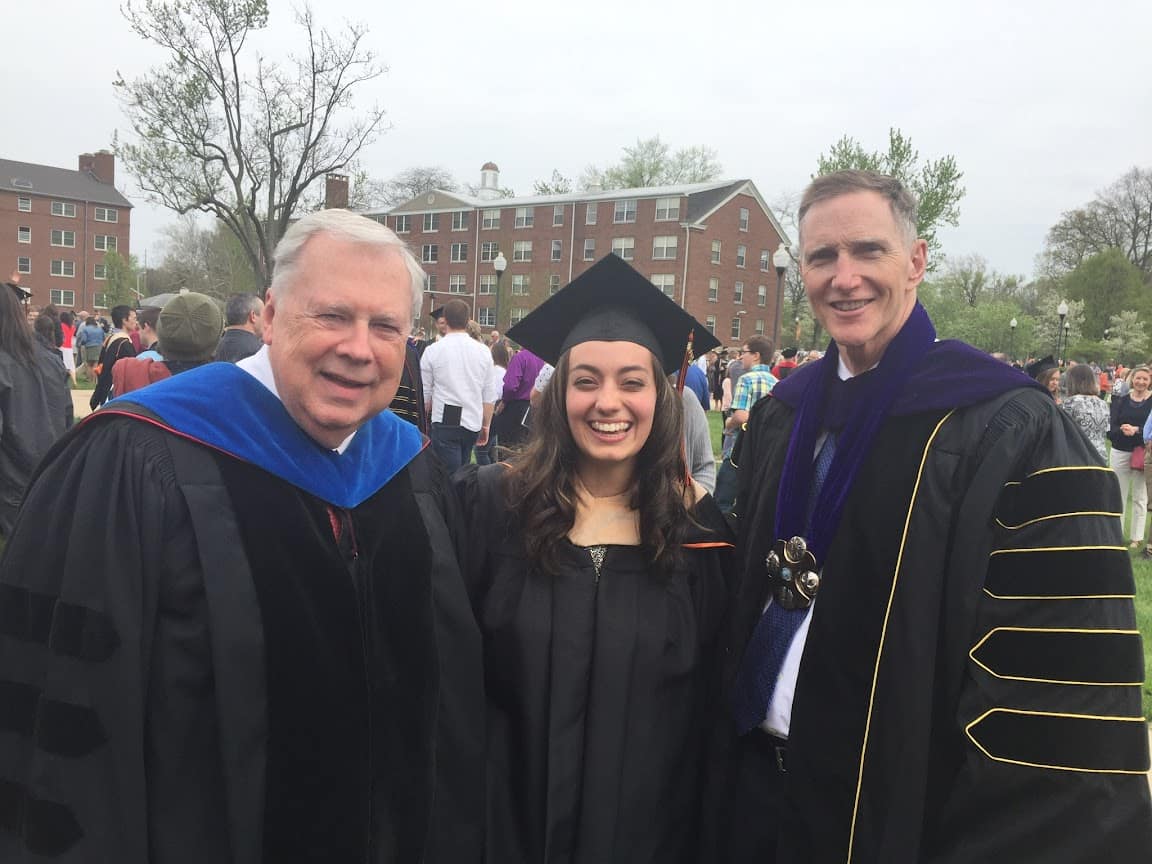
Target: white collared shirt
{"x": 260, "y": 368}
{"x": 457, "y": 370}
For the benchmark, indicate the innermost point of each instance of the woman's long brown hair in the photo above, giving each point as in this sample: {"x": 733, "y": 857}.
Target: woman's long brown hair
{"x": 541, "y": 483}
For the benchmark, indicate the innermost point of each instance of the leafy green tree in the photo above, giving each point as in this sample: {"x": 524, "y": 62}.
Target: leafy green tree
{"x": 120, "y": 279}
{"x": 935, "y": 183}
{"x": 1119, "y": 217}
{"x": 1107, "y": 283}
{"x": 1126, "y": 339}
{"x": 650, "y": 162}
{"x": 221, "y": 129}
{"x": 557, "y": 185}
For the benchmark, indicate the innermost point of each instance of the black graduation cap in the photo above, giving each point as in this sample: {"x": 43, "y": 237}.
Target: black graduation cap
{"x": 1038, "y": 367}
{"x": 22, "y": 293}
{"x": 611, "y": 302}
{"x": 436, "y": 313}
{"x": 788, "y": 353}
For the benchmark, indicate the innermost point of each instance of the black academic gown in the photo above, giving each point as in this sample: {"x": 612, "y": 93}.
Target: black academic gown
{"x": 970, "y": 685}
{"x": 598, "y": 691}
{"x": 200, "y": 662}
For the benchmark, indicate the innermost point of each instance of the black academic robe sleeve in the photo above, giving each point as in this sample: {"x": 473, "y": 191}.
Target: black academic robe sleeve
{"x": 103, "y": 661}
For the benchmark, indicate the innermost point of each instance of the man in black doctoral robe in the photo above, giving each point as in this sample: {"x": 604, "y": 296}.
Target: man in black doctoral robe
{"x": 231, "y": 627}
{"x": 933, "y": 653}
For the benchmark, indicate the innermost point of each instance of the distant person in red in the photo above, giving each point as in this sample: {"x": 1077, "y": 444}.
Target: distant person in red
{"x": 787, "y": 363}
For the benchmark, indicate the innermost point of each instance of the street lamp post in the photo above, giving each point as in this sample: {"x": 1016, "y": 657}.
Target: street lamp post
{"x": 1064, "y": 351}
{"x": 1062, "y": 311}
{"x": 781, "y": 261}
{"x": 499, "y": 265}
{"x": 1012, "y": 339}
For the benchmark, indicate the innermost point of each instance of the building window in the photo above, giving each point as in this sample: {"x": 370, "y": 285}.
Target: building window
{"x": 24, "y": 234}
{"x": 667, "y": 209}
{"x": 403, "y": 224}
{"x": 516, "y": 315}
{"x": 431, "y": 221}
{"x": 741, "y": 255}
{"x": 764, "y": 260}
{"x": 590, "y": 249}
{"x": 104, "y": 242}
{"x": 736, "y": 327}
{"x": 521, "y": 283}
{"x": 625, "y": 211}
{"x": 738, "y": 293}
{"x": 65, "y": 208}
{"x": 100, "y": 271}
{"x": 61, "y": 297}
{"x": 489, "y": 219}
{"x": 24, "y": 205}
{"x": 525, "y": 217}
{"x": 486, "y": 317}
{"x": 459, "y": 253}
{"x": 713, "y": 290}
{"x": 63, "y": 268}
{"x": 759, "y": 326}
{"x": 63, "y": 238}
{"x": 664, "y": 248}
{"x": 715, "y": 251}
{"x": 23, "y": 264}
{"x": 710, "y": 323}
{"x": 489, "y": 249}
{"x": 487, "y": 284}
{"x": 625, "y": 247}
{"x": 106, "y": 214}
{"x": 457, "y": 284}
{"x": 430, "y": 283}
{"x": 430, "y": 253}
{"x": 557, "y": 250}
{"x": 553, "y": 284}
{"x": 460, "y": 221}
{"x": 522, "y": 250}
{"x": 590, "y": 214}
{"x": 743, "y": 218}
{"x": 100, "y": 301}
{"x": 557, "y": 215}
{"x": 761, "y": 295}
{"x": 666, "y": 282}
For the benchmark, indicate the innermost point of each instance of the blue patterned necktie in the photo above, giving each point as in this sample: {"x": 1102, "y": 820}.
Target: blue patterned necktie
{"x": 773, "y": 634}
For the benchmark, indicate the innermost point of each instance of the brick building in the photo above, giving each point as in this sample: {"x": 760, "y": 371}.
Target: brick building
{"x": 709, "y": 246}
{"x": 56, "y": 226}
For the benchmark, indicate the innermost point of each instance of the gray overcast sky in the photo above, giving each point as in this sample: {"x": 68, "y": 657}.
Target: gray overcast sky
{"x": 1042, "y": 103}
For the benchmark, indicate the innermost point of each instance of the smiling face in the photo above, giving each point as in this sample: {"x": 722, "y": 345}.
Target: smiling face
{"x": 1141, "y": 381}
{"x": 610, "y": 399}
{"x": 336, "y": 335}
{"x": 860, "y": 273}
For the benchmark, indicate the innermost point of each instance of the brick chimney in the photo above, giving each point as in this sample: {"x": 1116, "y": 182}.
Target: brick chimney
{"x": 336, "y": 191}
{"x": 101, "y": 165}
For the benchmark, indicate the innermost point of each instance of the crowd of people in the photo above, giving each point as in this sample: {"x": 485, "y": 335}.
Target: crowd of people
{"x": 249, "y": 614}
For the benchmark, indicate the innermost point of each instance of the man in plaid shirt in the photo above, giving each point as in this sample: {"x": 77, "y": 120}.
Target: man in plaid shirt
{"x": 756, "y": 382}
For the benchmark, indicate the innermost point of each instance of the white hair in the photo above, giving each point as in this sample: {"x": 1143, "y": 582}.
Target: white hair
{"x": 343, "y": 225}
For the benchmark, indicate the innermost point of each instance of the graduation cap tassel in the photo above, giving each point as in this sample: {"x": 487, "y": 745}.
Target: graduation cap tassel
{"x": 684, "y": 364}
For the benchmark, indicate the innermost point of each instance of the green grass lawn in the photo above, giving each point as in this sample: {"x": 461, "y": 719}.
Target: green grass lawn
{"x": 1141, "y": 568}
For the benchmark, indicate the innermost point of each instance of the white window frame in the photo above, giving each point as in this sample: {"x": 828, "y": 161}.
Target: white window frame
{"x": 666, "y": 282}
{"x": 521, "y": 284}
{"x": 522, "y": 250}
{"x": 430, "y": 253}
{"x": 457, "y": 284}
{"x": 625, "y": 247}
{"x": 104, "y": 242}
{"x": 591, "y": 211}
{"x": 460, "y": 220}
{"x": 23, "y": 204}
{"x": 106, "y": 214}
{"x": 557, "y": 215}
{"x": 713, "y": 290}
{"x": 100, "y": 300}
{"x": 431, "y": 223}
{"x": 589, "y": 248}
{"x": 716, "y": 246}
{"x": 430, "y": 283}
{"x": 762, "y": 295}
{"x": 664, "y": 248}
{"x": 403, "y": 223}
{"x": 525, "y": 217}
{"x": 100, "y": 271}
{"x": 24, "y": 264}
{"x": 23, "y": 233}
{"x": 489, "y": 249}
{"x": 64, "y": 209}
{"x": 743, "y": 219}
{"x": 764, "y": 258}
{"x": 741, "y": 255}
{"x": 710, "y": 324}
{"x": 735, "y": 327}
{"x": 487, "y": 284}
{"x": 557, "y": 250}
{"x": 668, "y": 209}
{"x": 516, "y": 315}
{"x": 61, "y": 296}
{"x": 486, "y": 316}
{"x": 738, "y": 293}
{"x": 459, "y": 253}
{"x": 759, "y": 326}
{"x": 553, "y": 283}
{"x": 66, "y": 270}
{"x": 624, "y": 211}
{"x": 63, "y": 235}
{"x": 489, "y": 220}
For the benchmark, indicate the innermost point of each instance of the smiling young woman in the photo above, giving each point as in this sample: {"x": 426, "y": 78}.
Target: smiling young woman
{"x": 598, "y": 573}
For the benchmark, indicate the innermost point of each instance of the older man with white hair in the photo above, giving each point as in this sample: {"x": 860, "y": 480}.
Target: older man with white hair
{"x": 246, "y": 638}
